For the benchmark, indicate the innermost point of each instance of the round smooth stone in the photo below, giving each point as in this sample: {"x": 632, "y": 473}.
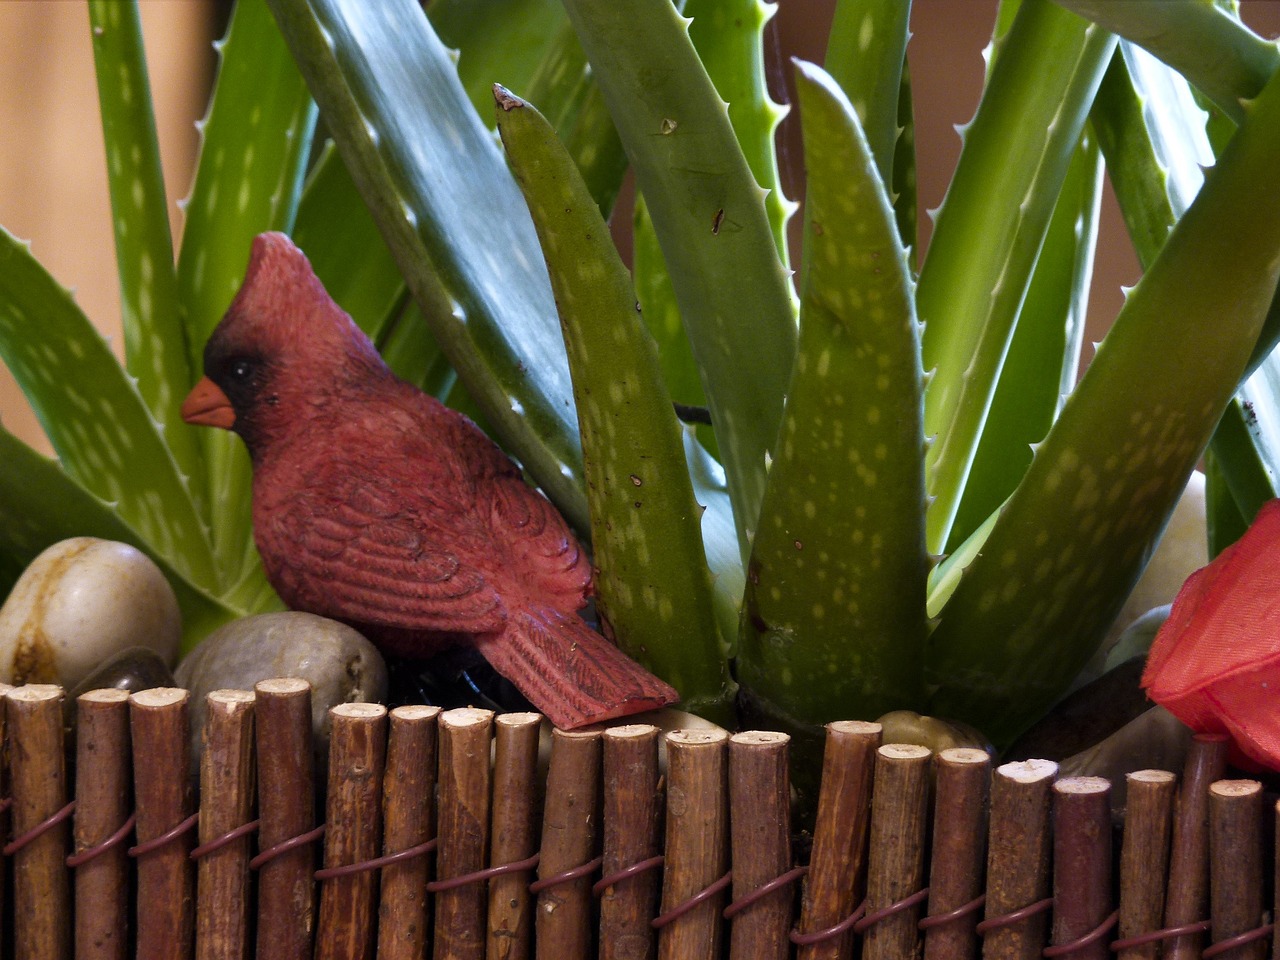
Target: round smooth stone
{"x": 339, "y": 663}
{"x": 78, "y": 604}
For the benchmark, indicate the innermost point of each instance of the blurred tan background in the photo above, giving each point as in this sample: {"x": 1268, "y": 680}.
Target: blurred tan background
{"x": 53, "y": 187}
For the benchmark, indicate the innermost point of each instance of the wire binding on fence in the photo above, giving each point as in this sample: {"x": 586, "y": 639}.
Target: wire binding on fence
{"x": 41, "y": 828}
{"x": 110, "y": 843}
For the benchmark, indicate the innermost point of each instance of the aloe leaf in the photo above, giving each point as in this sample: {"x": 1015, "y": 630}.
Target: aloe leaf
{"x": 257, "y": 136}
{"x": 334, "y": 228}
{"x": 709, "y": 215}
{"x": 866, "y": 55}
{"x": 662, "y": 316}
{"x": 93, "y": 414}
{"x": 155, "y": 352}
{"x": 719, "y": 538}
{"x": 452, "y": 216}
{"x": 729, "y": 38}
{"x": 652, "y": 585}
{"x": 498, "y": 41}
{"x": 1044, "y": 352}
{"x": 566, "y": 94}
{"x": 905, "y": 200}
{"x": 409, "y": 349}
{"x": 1206, "y": 44}
{"x": 1224, "y": 523}
{"x": 40, "y": 505}
{"x": 1073, "y": 538}
{"x": 834, "y": 615}
{"x": 1015, "y": 156}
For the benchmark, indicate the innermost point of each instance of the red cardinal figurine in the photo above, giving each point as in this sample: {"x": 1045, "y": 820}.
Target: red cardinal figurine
{"x": 375, "y": 504}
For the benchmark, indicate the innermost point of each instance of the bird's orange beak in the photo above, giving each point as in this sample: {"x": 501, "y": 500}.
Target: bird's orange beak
{"x": 206, "y": 405}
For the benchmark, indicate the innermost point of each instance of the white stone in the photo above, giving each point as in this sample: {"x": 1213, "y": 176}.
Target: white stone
{"x": 78, "y": 604}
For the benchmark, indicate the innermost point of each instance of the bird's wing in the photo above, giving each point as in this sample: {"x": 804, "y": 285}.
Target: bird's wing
{"x": 355, "y": 545}
{"x": 544, "y": 551}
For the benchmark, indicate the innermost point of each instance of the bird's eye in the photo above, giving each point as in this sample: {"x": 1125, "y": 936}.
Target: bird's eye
{"x": 241, "y": 370}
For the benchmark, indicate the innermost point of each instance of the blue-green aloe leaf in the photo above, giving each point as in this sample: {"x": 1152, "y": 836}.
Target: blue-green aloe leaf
{"x": 1015, "y": 156}
{"x": 1206, "y": 44}
{"x": 834, "y": 617}
{"x": 154, "y": 347}
{"x": 92, "y": 413}
{"x": 709, "y": 216}
{"x": 257, "y": 137}
{"x": 1073, "y": 538}
{"x": 40, "y": 505}
{"x": 653, "y": 587}
{"x": 452, "y": 216}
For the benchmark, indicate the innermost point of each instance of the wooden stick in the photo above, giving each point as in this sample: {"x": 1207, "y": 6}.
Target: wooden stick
{"x": 632, "y": 820}
{"x": 1018, "y": 857}
{"x": 959, "y": 851}
{"x": 1081, "y": 862}
{"x": 463, "y": 830}
{"x": 286, "y": 809}
{"x": 227, "y": 802}
{"x": 353, "y": 830}
{"x": 1144, "y": 858}
{"x": 760, "y": 830}
{"x": 104, "y": 791}
{"x": 1235, "y": 856}
{"x": 163, "y": 791}
{"x": 697, "y": 848}
{"x": 408, "y": 820}
{"x": 569, "y": 840}
{"x": 1187, "y": 900}
{"x": 895, "y": 867}
{"x": 41, "y": 893}
{"x": 835, "y": 882}
{"x": 515, "y": 834}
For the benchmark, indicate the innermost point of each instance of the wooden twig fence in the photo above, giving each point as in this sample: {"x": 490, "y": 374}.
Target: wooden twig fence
{"x": 440, "y": 835}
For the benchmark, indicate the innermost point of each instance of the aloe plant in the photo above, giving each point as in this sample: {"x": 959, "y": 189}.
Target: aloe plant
{"x": 894, "y": 506}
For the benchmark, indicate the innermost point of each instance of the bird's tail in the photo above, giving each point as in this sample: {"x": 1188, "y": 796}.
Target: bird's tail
{"x": 571, "y": 673}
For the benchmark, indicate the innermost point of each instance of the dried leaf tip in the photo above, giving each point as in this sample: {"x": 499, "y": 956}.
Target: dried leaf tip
{"x": 504, "y": 98}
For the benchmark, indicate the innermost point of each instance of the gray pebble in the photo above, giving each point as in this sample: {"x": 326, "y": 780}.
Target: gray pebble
{"x": 339, "y": 663}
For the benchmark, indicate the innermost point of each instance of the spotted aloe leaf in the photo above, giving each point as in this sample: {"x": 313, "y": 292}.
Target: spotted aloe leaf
{"x": 1206, "y": 44}
{"x": 709, "y": 216}
{"x": 866, "y": 55}
{"x": 969, "y": 294}
{"x": 1072, "y": 539}
{"x": 653, "y": 587}
{"x": 452, "y": 216}
{"x": 834, "y": 615}
{"x": 91, "y": 411}
{"x": 257, "y": 136}
{"x": 155, "y": 350}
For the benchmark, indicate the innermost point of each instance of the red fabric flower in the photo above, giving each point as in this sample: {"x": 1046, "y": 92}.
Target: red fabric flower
{"x": 1215, "y": 664}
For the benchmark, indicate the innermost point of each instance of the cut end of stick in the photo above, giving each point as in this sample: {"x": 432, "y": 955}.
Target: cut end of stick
{"x": 282, "y": 686}
{"x": 105, "y": 695}
{"x": 905, "y": 751}
{"x": 417, "y": 713}
{"x": 753, "y": 738}
{"x": 1028, "y": 771}
{"x": 857, "y": 728}
{"x": 519, "y": 719}
{"x": 1229, "y": 789}
{"x": 1151, "y": 776}
{"x": 964, "y": 755}
{"x": 357, "y": 711}
{"x": 1082, "y": 786}
{"x": 461, "y": 717}
{"x": 229, "y": 698}
{"x": 697, "y": 738}
{"x": 158, "y": 698}
{"x": 631, "y": 731}
{"x": 35, "y": 693}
